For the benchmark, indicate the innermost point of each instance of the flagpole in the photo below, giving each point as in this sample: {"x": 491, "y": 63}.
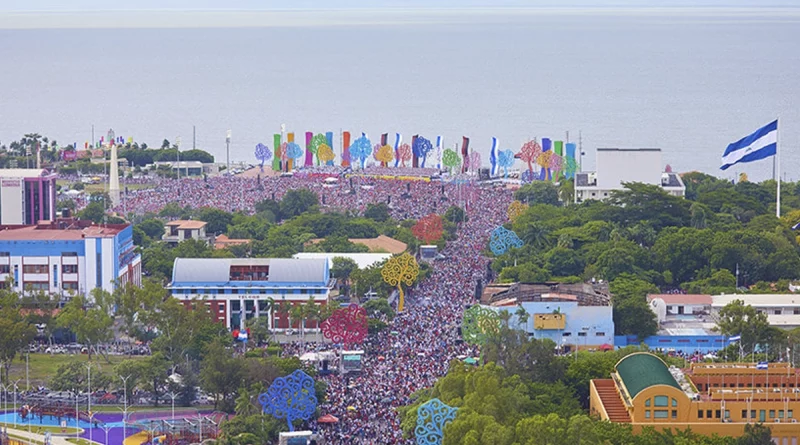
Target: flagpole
{"x": 778, "y": 161}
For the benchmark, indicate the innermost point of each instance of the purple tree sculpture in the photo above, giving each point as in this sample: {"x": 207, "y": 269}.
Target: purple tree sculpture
{"x": 263, "y": 154}
{"x": 291, "y": 398}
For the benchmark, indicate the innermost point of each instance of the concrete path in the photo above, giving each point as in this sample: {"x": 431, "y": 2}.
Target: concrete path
{"x": 54, "y": 440}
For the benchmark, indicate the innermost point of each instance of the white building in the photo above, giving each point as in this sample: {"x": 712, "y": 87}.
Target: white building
{"x": 616, "y": 166}
{"x": 27, "y": 195}
{"x": 783, "y": 310}
{"x": 363, "y": 260}
{"x": 68, "y": 257}
{"x": 182, "y": 230}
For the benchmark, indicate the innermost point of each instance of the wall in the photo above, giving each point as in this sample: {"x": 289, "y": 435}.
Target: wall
{"x": 594, "y": 321}
{"x": 617, "y": 166}
{"x": 680, "y": 343}
{"x": 11, "y": 201}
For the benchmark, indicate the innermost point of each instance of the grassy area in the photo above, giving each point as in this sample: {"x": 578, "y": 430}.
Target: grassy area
{"x": 93, "y": 188}
{"x": 80, "y": 441}
{"x": 42, "y": 367}
{"x": 25, "y": 439}
{"x": 40, "y": 429}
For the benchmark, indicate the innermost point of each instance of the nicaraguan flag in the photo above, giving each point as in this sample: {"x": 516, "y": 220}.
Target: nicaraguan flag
{"x": 735, "y": 338}
{"x": 762, "y": 365}
{"x": 759, "y": 145}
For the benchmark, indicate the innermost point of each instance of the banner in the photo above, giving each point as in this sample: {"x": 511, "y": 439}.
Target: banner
{"x": 346, "y": 149}
{"x": 329, "y": 139}
{"x": 464, "y": 154}
{"x": 289, "y": 161}
{"x": 414, "y": 157}
{"x": 276, "y": 160}
{"x": 309, "y": 155}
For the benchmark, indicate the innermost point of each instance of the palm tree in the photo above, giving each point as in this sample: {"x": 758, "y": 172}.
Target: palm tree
{"x": 285, "y": 309}
{"x": 297, "y": 314}
{"x": 522, "y": 318}
{"x": 244, "y": 404}
{"x": 505, "y": 316}
{"x": 312, "y": 312}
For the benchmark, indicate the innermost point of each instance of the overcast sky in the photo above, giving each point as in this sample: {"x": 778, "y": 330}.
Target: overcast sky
{"x": 94, "y": 5}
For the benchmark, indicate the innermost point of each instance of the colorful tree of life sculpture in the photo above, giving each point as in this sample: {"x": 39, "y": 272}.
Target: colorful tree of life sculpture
{"x": 291, "y": 398}
{"x": 515, "y": 210}
{"x": 544, "y": 161}
{"x": 478, "y": 323}
{"x": 347, "y": 325}
{"x": 571, "y": 166}
{"x": 404, "y": 154}
{"x": 529, "y": 153}
{"x": 317, "y": 141}
{"x": 473, "y": 161}
{"x": 283, "y": 152}
{"x": 399, "y": 270}
{"x": 450, "y": 159}
{"x": 384, "y": 154}
{"x": 263, "y": 154}
{"x": 503, "y": 239}
{"x": 294, "y": 152}
{"x": 325, "y": 154}
{"x": 506, "y": 160}
{"x": 360, "y": 149}
{"x": 429, "y": 228}
{"x": 422, "y": 147}
{"x": 556, "y": 165}
{"x": 432, "y": 416}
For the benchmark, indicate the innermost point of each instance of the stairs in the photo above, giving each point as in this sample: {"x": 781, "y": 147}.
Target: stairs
{"x": 611, "y": 402}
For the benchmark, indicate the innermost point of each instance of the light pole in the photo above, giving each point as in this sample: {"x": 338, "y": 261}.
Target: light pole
{"x": 89, "y": 388}
{"x": 172, "y": 395}
{"x": 91, "y": 428}
{"x": 27, "y": 372}
{"x": 228, "y": 149}
{"x": 15, "y": 402}
{"x": 124, "y": 422}
{"x": 77, "y": 430}
{"x": 2, "y": 398}
{"x": 106, "y": 429}
{"x": 178, "y": 145}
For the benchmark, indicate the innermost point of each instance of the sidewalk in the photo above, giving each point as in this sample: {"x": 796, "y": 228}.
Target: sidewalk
{"x": 54, "y": 440}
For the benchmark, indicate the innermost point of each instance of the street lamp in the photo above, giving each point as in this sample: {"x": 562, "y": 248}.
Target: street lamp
{"x": 172, "y": 395}
{"x": 15, "y": 402}
{"x": 91, "y": 428}
{"x": 2, "y": 394}
{"x": 178, "y": 146}
{"x": 89, "y": 387}
{"x": 228, "y": 149}
{"x": 77, "y": 430}
{"x": 106, "y": 429}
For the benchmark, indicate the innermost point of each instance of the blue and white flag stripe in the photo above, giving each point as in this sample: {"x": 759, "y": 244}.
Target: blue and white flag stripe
{"x": 735, "y": 338}
{"x": 759, "y": 145}
{"x": 762, "y": 365}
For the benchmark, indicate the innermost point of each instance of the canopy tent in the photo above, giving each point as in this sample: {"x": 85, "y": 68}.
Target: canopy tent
{"x": 327, "y": 418}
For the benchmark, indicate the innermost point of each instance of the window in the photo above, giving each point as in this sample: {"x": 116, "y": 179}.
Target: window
{"x": 727, "y": 414}
{"x": 699, "y": 413}
{"x": 661, "y": 414}
{"x": 34, "y": 268}
{"x": 789, "y": 414}
{"x": 6, "y": 254}
{"x": 69, "y": 268}
{"x": 37, "y": 285}
{"x": 69, "y": 254}
{"x": 780, "y": 414}
{"x": 67, "y": 285}
{"x": 708, "y": 414}
{"x": 647, "y": 414}
{"x": 777, "y": 311}
{"x": 796, "y": 312}
{"x": 752, "y": 414}
{"x": 772, "y": 414}
{"x": 5, "y": 268}
{"x": 647, "y": 402}
{"x": 99, "y": 266}
{"x": 674, "y": 413}
{"x": 744, "y": 414}
{"x": 674, "y": 402}
{"x": 661, "y": 400}
{"x": 600, "y": 334}
{"x": 717, "y": 414}
{"x": 566, "y": 334}
{"x": 581, "y": 334}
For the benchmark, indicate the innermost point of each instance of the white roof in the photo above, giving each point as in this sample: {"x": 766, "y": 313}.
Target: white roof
{"x": 363, "y": 260}
{"x": 757, "y": 300}
{"x": 217, "y": 270}
{"x": 22, "y": 172}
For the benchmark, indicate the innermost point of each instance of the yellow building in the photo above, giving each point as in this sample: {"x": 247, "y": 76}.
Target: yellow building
{"x": 644, "y": 391}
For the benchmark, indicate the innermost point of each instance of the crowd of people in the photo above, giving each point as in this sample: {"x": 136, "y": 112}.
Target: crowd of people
{"x": 418, "y": 345}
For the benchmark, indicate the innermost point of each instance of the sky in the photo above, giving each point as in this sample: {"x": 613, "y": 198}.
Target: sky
{"x": 106, "y": 5}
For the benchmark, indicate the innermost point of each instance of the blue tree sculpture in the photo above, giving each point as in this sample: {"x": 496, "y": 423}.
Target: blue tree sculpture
{"x": 432, "y": 416}
{"x": 291, "y": 398}
{"x": 294, "y": 151}
{"x": 421, "y": 148}
{"x": 506, "y": 161}
{"x": 361, "y": 149}
{"x": 263, "y": 154}
{"x": 528, "y": 176}
{"x": 503, "y": 239}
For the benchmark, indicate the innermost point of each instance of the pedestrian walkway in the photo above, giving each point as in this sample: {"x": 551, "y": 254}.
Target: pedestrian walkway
{"x": 54, "y": 440}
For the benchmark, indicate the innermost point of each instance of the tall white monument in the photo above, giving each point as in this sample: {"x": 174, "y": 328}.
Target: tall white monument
{"x": 113, "y": 174}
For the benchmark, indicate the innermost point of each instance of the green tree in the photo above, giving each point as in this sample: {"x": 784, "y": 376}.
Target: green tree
{"x": 538, "y": 192}
{"x": 220, "y": 374}
{"x": 377, "y": 212}
{"x": 218, "y": 220}
{"x": 632, "y": 315}
{"x": 16, "y": 333}
{"x": 89, "y": 319}
{"x": 736, "y": 318}
{"x": 455, "y": 214}
{"x": 298, "y": 201}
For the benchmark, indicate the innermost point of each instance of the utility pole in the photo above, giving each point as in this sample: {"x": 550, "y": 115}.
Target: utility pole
{"x": 178, "y": 145}
{"x": 194, "y": 137}
{"x": 228, "y": 150}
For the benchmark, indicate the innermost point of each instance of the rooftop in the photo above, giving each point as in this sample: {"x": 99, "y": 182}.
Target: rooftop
{"x": 23, "y": 172}
{"x": 222, "y": 241}
{"x": 61, "y": 230}
{"x": 682, "y": 299}
{"x": 216, "y": 271}
{"x": 642, "y": 370}
{"x": 758, "y": 300}
{"x": 187, "y": 224}
{"x": 382, "y": 243}
{"x": 363, "y": 260}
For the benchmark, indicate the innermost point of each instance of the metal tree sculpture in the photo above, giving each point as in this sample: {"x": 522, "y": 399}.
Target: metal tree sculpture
{"x": 361, "y": 149}
{"x": 432, "y": 416}
{"x": 544, "y": 162}
{"x": 529, "y": 153}
{"x": 451, "y": 159}
{"x": 571, "y": 166}
{"x": 428, "y": 229}
{"x": 515, "y": 209}
{"x": 291, "y": 398}
{"x": 556, "y": 164}
{"x": 384, "y": 154}
{"x": 506, "y": 160}
{"x": 346, "y": 325}
{"x": 325, "y": 153}
{"x": 404, "y": 154}
{"x": 527, "y": 177}
{"x": 421, "y": 148}
{"x": 503, "y": 239}
{"x": 473, "y": 161}
{"x": 284, "y": 152}
{"x": 478, "y": 323}
{"x": 399, "y": 270}
{"x": 263, "y": 154}
{"x": 316, "y": 142}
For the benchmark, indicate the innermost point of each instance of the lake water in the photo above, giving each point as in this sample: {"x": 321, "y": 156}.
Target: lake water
{"x": 688, "y": 81}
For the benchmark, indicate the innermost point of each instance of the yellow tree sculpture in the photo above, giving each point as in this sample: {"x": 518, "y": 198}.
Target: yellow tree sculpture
{"x": 325, "y": 153}
{"x": 385, "y": 155}
{"x": 515, "y": 209}
{"x": 400, "y": 270}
